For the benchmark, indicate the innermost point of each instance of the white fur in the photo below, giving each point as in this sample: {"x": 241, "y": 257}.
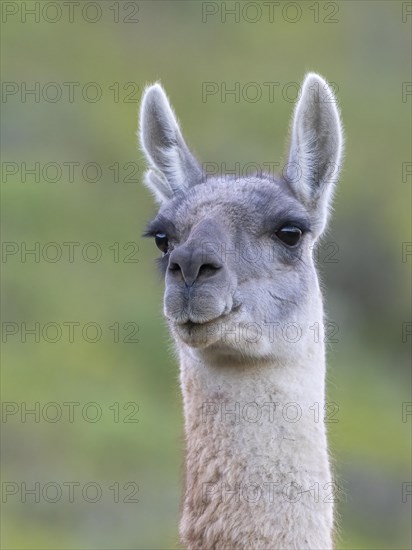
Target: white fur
{"x": 270, "y": 454}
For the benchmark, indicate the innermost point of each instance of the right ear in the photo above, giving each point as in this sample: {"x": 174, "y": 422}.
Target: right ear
{"x": 173, "y": 167}
{"x": 316, "y": 148}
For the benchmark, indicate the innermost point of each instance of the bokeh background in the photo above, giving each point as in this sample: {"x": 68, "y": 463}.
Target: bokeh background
{"x": 133, "y": 452}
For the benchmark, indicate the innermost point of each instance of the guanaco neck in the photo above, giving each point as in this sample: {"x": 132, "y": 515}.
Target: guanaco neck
{"x": 257, "y": 468}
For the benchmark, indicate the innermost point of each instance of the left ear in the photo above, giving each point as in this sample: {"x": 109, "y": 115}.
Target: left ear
{"x": 173, "y": 167}
{"x": 316, "y": 148}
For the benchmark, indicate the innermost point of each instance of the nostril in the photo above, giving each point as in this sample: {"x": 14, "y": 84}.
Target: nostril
{"x": 188, "y": 266}
{"x": 208, "y": 269}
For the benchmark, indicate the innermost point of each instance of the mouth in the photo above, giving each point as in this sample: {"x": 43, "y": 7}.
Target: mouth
{"x": 190, "y": 324}
{"x": 202, "y": 334}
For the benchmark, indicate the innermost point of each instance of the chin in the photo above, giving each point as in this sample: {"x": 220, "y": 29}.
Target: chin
{"x": 198, "y": 335}
{"x": 202, "y": 335}
{"x": 221, "y": 339}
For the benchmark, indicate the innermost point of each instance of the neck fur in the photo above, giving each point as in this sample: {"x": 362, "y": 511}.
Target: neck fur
{"x": 257, "y": 468}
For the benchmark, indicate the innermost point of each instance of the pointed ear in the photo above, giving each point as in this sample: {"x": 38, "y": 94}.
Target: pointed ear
{"x": 316, "y": 148}
{"x": 173, "y": 167}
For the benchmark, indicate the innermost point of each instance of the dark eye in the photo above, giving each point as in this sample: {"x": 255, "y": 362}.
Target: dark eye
{"x": 289, "y": 234}
{"x": 162, "y": 242}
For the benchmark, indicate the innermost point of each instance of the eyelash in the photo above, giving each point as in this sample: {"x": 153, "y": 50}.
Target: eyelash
{"x": 289, "y": 234}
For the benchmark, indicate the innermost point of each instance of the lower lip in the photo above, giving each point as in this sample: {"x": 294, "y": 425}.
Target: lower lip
{"x": 191, "y": 324}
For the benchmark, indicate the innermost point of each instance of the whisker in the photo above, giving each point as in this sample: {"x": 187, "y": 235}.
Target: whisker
{"x": 275, "y": 297}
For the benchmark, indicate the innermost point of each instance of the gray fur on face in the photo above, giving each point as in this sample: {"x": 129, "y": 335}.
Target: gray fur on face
{"x": 226, "y": 269}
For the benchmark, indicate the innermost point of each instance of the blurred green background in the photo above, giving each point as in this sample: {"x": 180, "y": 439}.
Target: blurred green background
{"x": 362, "y": 47}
